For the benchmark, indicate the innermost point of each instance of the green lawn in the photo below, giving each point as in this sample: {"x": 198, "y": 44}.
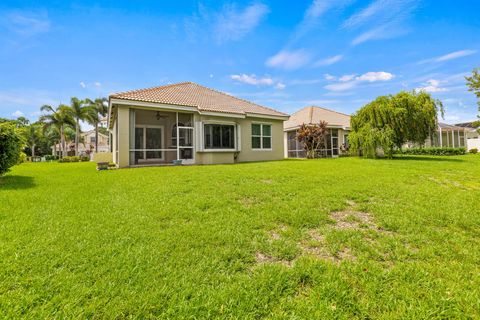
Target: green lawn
{"x": 296, "y": 239}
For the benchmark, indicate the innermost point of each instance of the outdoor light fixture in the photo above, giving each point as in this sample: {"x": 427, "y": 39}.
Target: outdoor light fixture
{"x": 158, "y": 115}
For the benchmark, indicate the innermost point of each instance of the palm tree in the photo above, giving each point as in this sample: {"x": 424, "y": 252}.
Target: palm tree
{"x": 32, "y": 136}
{"x": 100, "y": 108}
{"x": 52, "y": 134}
{"x": 59, "y": 118}
{"x": 80, "y": 111}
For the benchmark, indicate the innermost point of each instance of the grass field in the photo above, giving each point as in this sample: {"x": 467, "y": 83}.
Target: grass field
{"x": 296, "y": 239}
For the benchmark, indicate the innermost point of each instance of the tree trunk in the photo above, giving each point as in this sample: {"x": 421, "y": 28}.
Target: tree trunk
{"x": 33, "y": 150}
{"x": 96, "y": 136}
{"x": 77, "y": 132}
{"x": 62, "y": 137}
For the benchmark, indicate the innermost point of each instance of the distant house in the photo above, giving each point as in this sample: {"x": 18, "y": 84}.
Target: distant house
{"x": 191, "y": 124}
{"x": 447, "y": 135}
{"x": 86, "y": 144}
{"x": 472, "y": 134}
{"x": 338, "y": 125}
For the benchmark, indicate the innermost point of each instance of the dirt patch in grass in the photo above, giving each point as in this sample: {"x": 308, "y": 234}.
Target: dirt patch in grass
{"x": 248, "y": 202}
{"x": 276, "y": 233}
{"x": 451, "y": 183}
{"x": 262, "y": 258}
{"x": 352, "y": 219}
{"x": 314, "y": 245}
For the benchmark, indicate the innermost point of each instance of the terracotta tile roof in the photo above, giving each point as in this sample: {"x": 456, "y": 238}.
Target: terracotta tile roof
{"x": 309, "y": 115}
{"x": 194, "y": 95}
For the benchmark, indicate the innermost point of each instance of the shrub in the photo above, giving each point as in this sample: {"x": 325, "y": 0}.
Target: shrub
{"x": 50, "y": 157}
{"x": 473, "y": 151}
{"x": 22, "y": 158}
{"x": 70, "y": 159}
{"x": 11, "y": 144}
{"x": 84, "y": 158}
{"x": 433, "y": 151}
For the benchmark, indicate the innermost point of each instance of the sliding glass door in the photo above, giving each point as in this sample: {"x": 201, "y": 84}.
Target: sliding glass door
{"x": 148, "y": 144}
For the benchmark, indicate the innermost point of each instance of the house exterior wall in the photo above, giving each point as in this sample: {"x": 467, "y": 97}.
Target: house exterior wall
{"x": 243, "y": 153}
{"x": 123, "y": 136}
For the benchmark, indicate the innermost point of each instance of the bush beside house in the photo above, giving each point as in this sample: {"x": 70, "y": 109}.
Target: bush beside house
{"x": 11, "y": 145}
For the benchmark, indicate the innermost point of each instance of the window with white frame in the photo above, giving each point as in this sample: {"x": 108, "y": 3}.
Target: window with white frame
{"x": 219, "y": 136}
{"x": 261, "y": 136}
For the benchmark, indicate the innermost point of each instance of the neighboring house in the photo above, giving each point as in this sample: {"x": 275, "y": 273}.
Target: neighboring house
{"x": 86, "y": 144}
{"x": 338, "y": 125}
{"x": 472, "y": 134}
{"x": 447, "y": 135}
{"x": 103, "y": 122}
{"x": 192, "y": 124}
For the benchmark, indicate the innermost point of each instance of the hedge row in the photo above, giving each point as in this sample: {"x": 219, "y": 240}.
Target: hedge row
{"x": 433, "y": 151}
{"x": 74, "y": 159}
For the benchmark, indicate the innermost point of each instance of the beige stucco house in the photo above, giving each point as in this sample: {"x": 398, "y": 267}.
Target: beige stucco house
{"x": 338, "y": 125}
{"x": 86, "y": 144}
{"x": 191, "y": 124}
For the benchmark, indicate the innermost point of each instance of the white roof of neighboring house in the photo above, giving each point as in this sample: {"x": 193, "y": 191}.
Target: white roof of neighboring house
{"x": 449, "y": 127}
{"x": 313, "y": 114}
{"x": 194, "y": 95}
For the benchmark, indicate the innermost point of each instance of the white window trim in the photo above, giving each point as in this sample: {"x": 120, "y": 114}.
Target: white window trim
{"x": 261, "y": 136}
{"x": 228, "y": 123}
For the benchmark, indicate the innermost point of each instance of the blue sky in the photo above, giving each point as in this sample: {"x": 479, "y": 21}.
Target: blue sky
{"x": 339, "y": 54}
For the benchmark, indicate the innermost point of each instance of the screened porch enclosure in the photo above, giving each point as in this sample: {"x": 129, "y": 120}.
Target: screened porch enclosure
{"x": 330, "y": 146}
{"x": 160, "y": 137}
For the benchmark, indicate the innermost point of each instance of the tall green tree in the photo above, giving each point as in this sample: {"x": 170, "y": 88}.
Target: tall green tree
{"x": 22, "y": 122}
{"x": 33, "y": 136}
{"x": 81, "y": 111}
{"x": 473, "y": 83}
{"x": 100, "y": 109}
{"x": 391, "y": 121}
{"x": 60, "y": 118}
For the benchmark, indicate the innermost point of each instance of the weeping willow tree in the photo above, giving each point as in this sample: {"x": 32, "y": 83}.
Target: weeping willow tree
{"x": 390, "y": 121}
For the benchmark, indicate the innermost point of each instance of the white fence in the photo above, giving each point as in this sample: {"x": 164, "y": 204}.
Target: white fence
{"x": 473, "y": 143}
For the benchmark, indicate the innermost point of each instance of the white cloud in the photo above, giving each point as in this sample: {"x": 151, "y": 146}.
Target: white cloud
{"x": 432, "y": 86}
{"x": 234, "y": 24}
{"x": 385, "y": 31}
{"x": 341, "y": 86}
{"x": 314, "y": 12}
{"x": 210, "y": 76}
{"x": 252, "y": 79}
{"x": 18, "y": 113}
{"x": 256, "y": 81}
{"x": 385, "y": 19}
{"x": 97, "y": 84}
{"x": 329, "y": 77}
{"x": 375, "y": 76}
{"x": 317, "y": 8}
{"x": 449, "y": 56}
{"x": 328, "y": 61}
{"x": 350, "y": 81}
{"x": 82, "y": 84}
{"x": 289, "y": 60}
{"x": 455, "y": 55}
{"x": 26, "y": 23}
{"x": 347, "y": 77}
